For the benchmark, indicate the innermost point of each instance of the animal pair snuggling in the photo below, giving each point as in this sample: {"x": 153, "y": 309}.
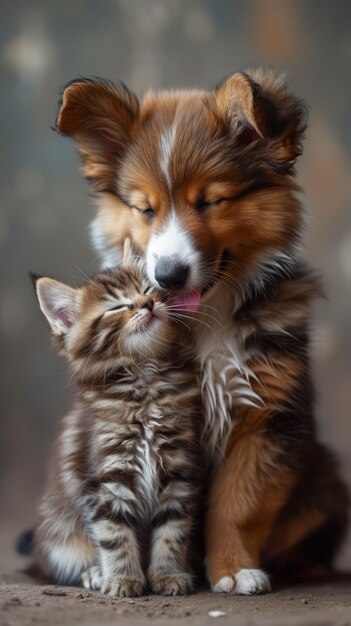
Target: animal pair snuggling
{"x": 203, "y": 184}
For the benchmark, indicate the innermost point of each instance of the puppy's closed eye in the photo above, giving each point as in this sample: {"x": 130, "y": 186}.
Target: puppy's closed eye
{"x": 203, "y": 205}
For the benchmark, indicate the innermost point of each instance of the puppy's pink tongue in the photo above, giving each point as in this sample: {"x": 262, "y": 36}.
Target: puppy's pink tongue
{"x": 187, "y": 301}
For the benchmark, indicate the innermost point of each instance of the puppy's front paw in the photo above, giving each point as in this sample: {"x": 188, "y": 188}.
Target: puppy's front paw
{"x": 246, "y": 582}
{"x": 177, "y": 584}
{"x": 122, "y": 587}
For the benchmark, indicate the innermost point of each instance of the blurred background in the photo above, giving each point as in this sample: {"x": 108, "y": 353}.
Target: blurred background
{"x": 45, "y": 209}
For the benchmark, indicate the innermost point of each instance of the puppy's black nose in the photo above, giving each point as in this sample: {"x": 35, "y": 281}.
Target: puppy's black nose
{"x": 171, "y": 274}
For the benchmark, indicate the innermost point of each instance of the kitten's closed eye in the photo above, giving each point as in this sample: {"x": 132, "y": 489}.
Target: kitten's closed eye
{"x": 148, "y": 290}
{"x": 118, "y": 307}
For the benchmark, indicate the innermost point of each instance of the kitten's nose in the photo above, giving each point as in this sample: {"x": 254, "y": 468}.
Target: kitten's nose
{"x": 171, "y": 274}
{"x": 147, "y": 304}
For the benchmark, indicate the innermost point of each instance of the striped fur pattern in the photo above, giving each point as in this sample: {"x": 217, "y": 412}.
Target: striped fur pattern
{"x": 123, "y": 489}
{"x": 204, "y": 180}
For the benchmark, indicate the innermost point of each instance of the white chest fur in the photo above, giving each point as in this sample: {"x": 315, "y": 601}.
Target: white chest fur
{"x": 225, "y": 375}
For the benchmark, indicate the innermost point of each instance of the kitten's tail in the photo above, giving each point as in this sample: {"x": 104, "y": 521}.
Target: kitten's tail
{"x": 25, "y": 542}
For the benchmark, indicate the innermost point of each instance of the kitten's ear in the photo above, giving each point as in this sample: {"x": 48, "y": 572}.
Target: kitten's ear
{"x": 58, "y": 302}
{"x": 128, "y": 252}
{"x": 258, "y": 106}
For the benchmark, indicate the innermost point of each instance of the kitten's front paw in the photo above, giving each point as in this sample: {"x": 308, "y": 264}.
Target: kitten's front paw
{"x": 123, "y": 587}
{"x": 92, "y": 578}
{"x": 170, "y": 584}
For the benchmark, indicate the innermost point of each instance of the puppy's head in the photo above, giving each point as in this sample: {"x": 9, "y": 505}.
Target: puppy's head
{"x": 201, "y": 181}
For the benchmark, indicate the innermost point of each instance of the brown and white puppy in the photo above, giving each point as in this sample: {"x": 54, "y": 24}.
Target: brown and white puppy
{"x": 203, "y": 184}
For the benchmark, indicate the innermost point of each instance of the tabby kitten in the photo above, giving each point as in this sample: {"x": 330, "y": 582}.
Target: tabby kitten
{"x": 126, "y": 467}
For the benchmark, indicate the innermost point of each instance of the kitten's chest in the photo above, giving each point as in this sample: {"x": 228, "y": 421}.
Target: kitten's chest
{"x": 126, "y": 441}
{"x": 159, "y": 451}
{"x": 146, "y": 456}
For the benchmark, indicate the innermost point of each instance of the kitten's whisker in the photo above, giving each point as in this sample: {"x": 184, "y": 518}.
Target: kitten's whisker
{"x": 199, "y": 321}
{"x": 81, "y": 272}
{"x": 181, "y": 322}
{"x": 181, "y": 309}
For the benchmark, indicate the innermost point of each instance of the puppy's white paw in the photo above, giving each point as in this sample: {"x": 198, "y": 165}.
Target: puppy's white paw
{"x": 251, "y": 581}
{"x": 91, "y": 578}
{"x": 224, "y": 585}
{"x": 246, "y": 582}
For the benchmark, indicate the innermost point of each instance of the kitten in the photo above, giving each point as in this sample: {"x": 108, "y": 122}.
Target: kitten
{"x": 127, "y": 464}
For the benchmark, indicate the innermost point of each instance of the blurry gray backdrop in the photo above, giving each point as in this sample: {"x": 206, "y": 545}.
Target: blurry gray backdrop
{"x": 45, "y": 209}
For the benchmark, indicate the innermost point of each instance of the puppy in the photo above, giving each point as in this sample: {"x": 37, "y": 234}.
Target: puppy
{"x": 203, "y": 182}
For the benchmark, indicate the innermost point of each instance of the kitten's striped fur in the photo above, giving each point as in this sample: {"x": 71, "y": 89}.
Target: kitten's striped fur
{"x": 122, "y": 493}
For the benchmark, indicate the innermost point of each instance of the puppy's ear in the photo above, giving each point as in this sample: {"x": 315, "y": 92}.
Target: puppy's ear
{"x": 259, "y": 108}
{"x": 100, "y": 117}
{"x": 235, "y": 101}
{"x": 58, "y": 302}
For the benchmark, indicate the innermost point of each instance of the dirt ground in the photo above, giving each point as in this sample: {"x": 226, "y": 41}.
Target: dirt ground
{"x": 23, "y": 602}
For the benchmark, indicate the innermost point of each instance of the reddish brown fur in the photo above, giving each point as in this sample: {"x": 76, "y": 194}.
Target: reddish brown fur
{"x": 234, "y": 149}
{"x": 204, "y": 164}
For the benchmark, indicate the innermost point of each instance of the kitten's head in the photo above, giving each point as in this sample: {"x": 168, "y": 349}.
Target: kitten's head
{"x": 117, "y": 313}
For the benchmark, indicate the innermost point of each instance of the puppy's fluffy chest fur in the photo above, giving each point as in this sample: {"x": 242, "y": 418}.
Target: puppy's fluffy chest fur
{"x": 225, "y": 377}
